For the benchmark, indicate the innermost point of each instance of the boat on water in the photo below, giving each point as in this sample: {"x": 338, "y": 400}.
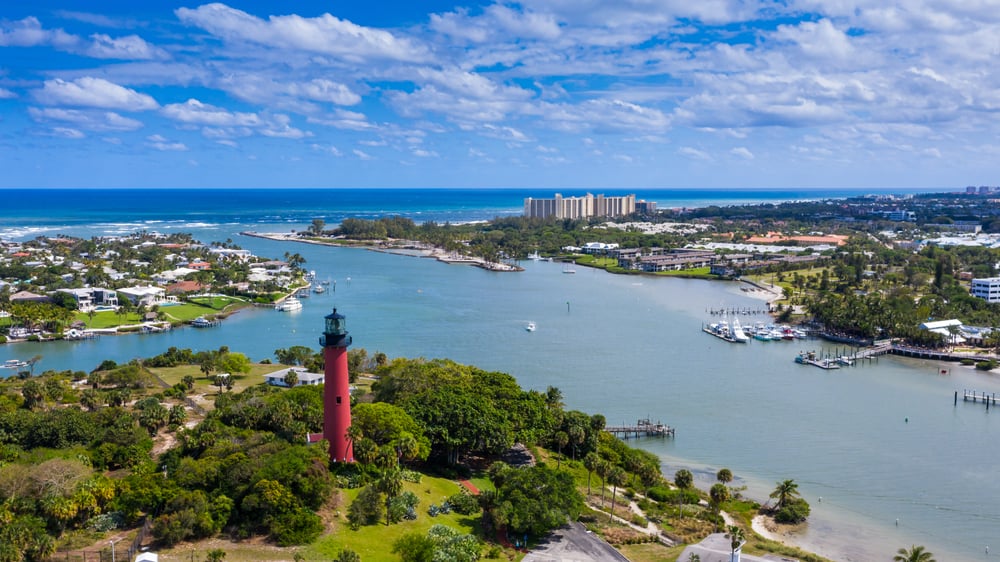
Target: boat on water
{"x": 720, "y": 330}
{"x": 14, "y": 364}
{"x": 569, "y": 270}
{"x": 739, "y": 336}
{"x": 810, "y": 358}
{"x": 530, "y": 327}
{"x": 319, "y": 289}
{"x": 288, "y": 305}
{"x": 202, "y": 322}
{"x": 534, "y": 256}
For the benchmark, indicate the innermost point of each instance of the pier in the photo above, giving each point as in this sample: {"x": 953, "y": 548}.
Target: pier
{"x": 986, "y": 398}
{"x": 642, "y": 428}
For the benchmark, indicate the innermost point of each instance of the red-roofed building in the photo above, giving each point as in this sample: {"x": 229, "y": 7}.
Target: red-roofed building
{"x": 200, "y": 265}
{"x": 182, "y": 287}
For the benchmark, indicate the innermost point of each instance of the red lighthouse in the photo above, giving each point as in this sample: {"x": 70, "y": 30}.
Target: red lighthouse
{"x": 336, "y": 388}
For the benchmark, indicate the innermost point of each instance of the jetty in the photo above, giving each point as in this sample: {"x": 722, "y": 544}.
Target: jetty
{"x": 986, "y": 398}
{"x": 642, "y": 428}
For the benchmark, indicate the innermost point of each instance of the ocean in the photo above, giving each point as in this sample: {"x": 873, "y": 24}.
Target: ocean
{"x": 26, "y": 213}
{"x": 879, "y": 450}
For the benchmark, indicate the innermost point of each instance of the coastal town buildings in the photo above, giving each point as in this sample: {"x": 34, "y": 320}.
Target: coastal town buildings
{"x": 987, "y": 288}
{"x": 589, "y": 205}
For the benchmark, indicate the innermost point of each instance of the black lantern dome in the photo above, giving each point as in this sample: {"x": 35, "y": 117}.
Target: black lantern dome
{"x": 335, "y": 331}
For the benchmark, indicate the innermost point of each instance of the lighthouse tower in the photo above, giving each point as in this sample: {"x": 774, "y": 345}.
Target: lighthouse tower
{"x": 336, "y": 389}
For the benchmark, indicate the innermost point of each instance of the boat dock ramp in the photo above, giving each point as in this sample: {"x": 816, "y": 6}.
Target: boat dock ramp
{"x": 642, "y": 428}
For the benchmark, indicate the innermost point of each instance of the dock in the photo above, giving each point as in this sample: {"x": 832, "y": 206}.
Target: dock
{"x": 642, "y": 428}
{"x": 986, "y": 398}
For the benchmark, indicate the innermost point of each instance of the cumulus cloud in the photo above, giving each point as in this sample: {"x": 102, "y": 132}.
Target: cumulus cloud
{"x": 325, "y": 34}
{"x": 195, "y": 112}
{"x": 742, "y": 152}
{"x": 93, "y": 92}
{"x": 67, "y": 133}
{"x": 7, "y": 94}
{"x": 362, "y": 154}
{"x": 131, "y": 47}
{"x": 160, "y": 143}
{"x": 89, "y": 120}
{"x": 29, "y": 33}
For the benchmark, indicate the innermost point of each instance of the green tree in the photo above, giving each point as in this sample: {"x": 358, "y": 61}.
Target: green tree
{"x": 725, "y": 475}
{"x": 736, "y": 538}
{"x": 590, "y": 463}
{"x": 786, "y": 490}
{"x": 414, "y": 547}
{"x": 533, "y": 500}
{"x": 617, "y": 478}
{"x": 33, "y": 394}
{"x": 683, "y": 478}
{"x": 215, "y": 555}
{"x": 316, "y": 228}
{"x": 719, "y": 494}
{"x": 291, "y": 378}
{"x": 913, "y": 554}
{"x": 561, "y": 439}
{"x": 234, "y": 363}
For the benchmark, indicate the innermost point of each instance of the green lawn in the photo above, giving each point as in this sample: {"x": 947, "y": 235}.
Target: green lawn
{"x": 107, "y": 319}
{"x": 186, "y": 312}
{"x": 204, "y": 385}
{"x": 215, "y": 302}
{"x": 374, "y": 542}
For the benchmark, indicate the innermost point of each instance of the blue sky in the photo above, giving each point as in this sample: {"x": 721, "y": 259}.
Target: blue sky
{"x": 541, "y": 93}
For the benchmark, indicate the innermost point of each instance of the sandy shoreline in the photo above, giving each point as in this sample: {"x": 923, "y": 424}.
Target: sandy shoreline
{"x": 407, "y": 248}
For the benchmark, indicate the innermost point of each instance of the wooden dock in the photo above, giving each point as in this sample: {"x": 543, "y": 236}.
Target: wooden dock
{"x": 976, "y": 397}
{"x": 642, "y": 428}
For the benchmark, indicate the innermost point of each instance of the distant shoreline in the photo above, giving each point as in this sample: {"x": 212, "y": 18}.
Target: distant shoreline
{"x": 400, "y": 247}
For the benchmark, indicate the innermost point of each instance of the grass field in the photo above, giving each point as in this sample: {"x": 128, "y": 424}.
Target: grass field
{"x": 374, "y": 542}
{"x": 205, "y": 386}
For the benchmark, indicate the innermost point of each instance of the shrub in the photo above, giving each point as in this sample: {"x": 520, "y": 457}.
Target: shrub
{"x": 967, "y": 362}
{"x": 3, "y": 338}
{"x": 666, "y": 495}
{"x": 464, "y": 504}
{"x": 297, "y": 527}
{"x": 986, "y": 365}
{"x": 795, "y": 511}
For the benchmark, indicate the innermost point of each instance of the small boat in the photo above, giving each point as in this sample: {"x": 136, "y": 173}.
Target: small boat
{"x": 569, "y": 270}
{"x": 202, "y": 322}
{"x": 534, "y": 256}
{"x": 530, "y": 327}
{"x": 739, "y": 336}
{"x": 288, "y": 305}
{"x": 319, "y": 289}
{"x": 14, "y": 364}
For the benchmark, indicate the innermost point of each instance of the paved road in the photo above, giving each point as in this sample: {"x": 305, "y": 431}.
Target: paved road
{"x": 573, "y": 543}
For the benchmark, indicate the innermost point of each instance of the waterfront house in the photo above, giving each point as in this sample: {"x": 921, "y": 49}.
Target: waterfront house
{"x": 89, "y": 298}
{"x": 27, "y": 296}
{"x": 950, "y": 330}
{"x": 145, "y": 296}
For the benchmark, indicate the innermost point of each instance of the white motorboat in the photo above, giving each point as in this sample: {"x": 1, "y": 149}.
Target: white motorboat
{"x": 288, "y": 305}
{"x": 530, "y": 327}
{"x": 739, "y": 336}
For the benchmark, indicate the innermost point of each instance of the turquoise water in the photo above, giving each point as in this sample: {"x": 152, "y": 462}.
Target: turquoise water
{"x": 878, "y": 443}
{"x": 632, "y": 347}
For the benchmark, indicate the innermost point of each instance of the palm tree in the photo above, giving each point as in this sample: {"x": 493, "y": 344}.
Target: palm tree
{"x": 590, "y": 463}
{"x": 785, "y": 492}
{"x": 562, "y": 439}
{"x": 914, "y": 554}
{"x": 617, "y": 477}
{"x": 736, "y": 538}
{"x": 724, "y": 475}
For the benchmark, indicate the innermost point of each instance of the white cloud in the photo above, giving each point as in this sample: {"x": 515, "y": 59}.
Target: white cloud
{"x": 327, "y": 149}
{"x": 29, "y": 33}
{"x": 424, "y": 153}
{"x": 93, "y": 92}
{"x": 361, "y": 154}
{"x": 742, "y": 152}
{"x": 325, "y": 34}
{"x": 90, "y": 120}
{"x": 131, "y": 47}
{"x": 197, "y": 113}
{"x": 162, "y": 144}
{"x": 67, "y": 133}
{"x": 693, "y": 153}
{"x": 7, "y": 94}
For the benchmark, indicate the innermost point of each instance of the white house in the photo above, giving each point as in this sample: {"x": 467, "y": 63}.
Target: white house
{"x": 146, "y": 296}
{"x": 89, "y": 298}
{"x": 277, "y": 378}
